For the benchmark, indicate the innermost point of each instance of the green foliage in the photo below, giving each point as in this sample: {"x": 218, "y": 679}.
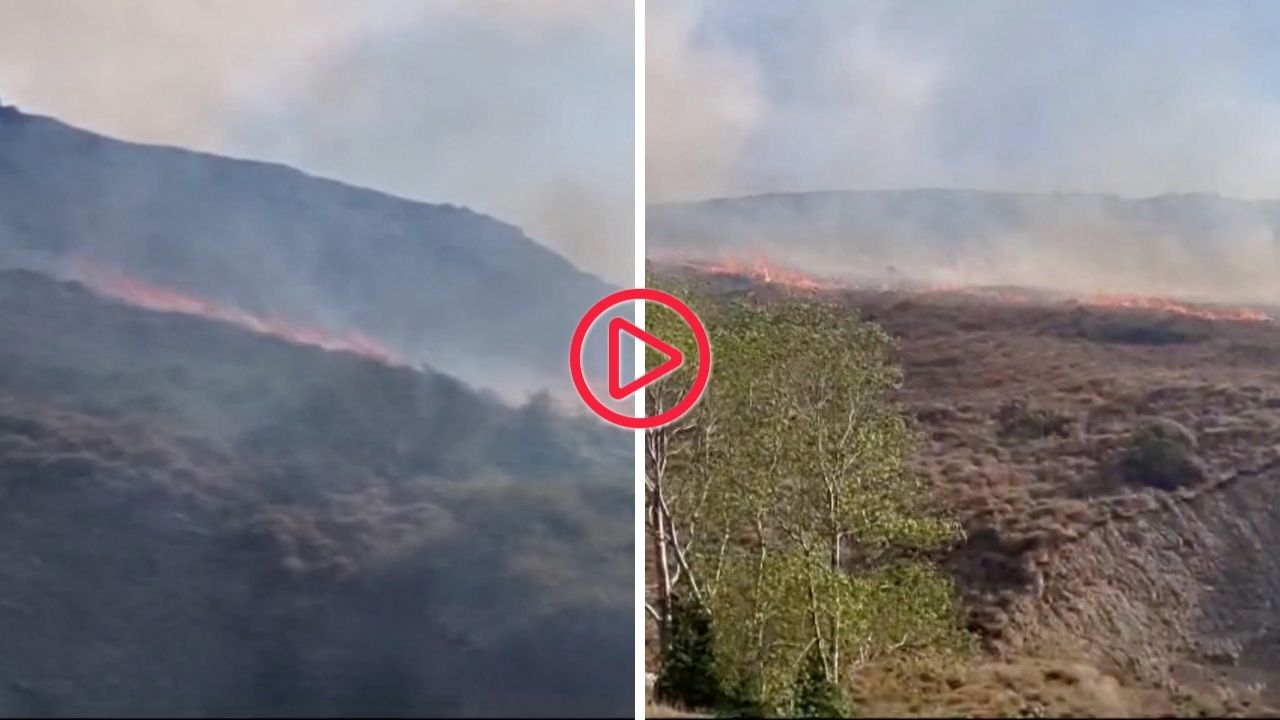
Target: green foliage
{"x": 1162, "y": 454}
{"x": 815, "y": 694}
{"x": 742, "y": 700}
{"x": 688, "y": 676}
{"x": 793, "y": 472}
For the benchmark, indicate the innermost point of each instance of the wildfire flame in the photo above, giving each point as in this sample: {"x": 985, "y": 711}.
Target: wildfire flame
{"x": 1178, "y": 308}
{"x": 761, "y": 269}
{"x": 120, "y": 286}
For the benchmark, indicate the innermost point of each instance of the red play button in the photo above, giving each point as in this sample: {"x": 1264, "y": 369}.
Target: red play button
{"x": 674, "y": 358}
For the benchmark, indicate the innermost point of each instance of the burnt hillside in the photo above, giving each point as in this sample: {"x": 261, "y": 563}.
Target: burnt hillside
{"x": 441, "y": 285}
{"x": 205, "y": 520}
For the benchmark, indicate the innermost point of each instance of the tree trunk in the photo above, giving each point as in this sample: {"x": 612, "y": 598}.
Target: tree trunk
{"x": 658, "y": 536}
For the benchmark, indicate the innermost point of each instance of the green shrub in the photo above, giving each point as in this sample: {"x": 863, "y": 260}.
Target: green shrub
{"x": 815, "y": 694}
{"x": 1162, "y": 454}
{"x": 688, "y": 675}
{"x": 743, "y": 700}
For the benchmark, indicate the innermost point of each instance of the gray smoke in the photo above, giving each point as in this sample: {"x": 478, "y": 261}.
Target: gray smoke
{"x": 1131, "y": 100}
{"x": 519, "y": 110}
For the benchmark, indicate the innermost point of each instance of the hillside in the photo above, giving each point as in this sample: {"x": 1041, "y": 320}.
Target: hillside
{"x": 205, "y": 520}
{"x": 441, "y": 285}
{"x": 1203, "y": 247}
{"x": 1115, "y": 472}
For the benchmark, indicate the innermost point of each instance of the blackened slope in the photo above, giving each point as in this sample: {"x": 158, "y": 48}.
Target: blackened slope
{"x": 69, "y": 348}
{"x": 202, "y": 520}
{"x": 149, "y": 576}
{"x": 456, "y": 289}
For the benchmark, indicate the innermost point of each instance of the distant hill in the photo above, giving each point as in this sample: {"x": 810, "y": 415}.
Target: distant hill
{"x": 205, "y": 520}
{"x": 1194, "y": 245}
{"x": 460, "y": 291}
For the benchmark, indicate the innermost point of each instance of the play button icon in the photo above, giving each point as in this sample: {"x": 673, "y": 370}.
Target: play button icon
{"x": 673, "y": 358}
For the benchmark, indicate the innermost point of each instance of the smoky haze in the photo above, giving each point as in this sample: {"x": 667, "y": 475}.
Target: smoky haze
{"x": 1125, "y": 135}
{"x": 1175, "y": 245}
{"x": 523, "y": 111}
{"x": 284, "y": 436}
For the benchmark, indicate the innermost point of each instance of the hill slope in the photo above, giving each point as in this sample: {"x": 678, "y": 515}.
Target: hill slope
{"x": 457, "y": 290}
{"x": 1193, "y": 246}
{"x": 205, "y": 520}
{"x": 1102, "y": 572}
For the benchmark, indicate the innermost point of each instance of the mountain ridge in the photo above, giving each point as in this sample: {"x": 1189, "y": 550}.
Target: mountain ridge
{"x": 1198, "y": 246}
{"x": 15, "y": 114}
{"x": 269, "y": 237}
{"x": 956, "y": 189}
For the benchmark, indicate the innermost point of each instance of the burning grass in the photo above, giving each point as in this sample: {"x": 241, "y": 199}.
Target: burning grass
{"x": 121, "y": 286}
{"x": 761, "y": 270}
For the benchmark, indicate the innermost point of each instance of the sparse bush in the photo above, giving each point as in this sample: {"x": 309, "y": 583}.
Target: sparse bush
{"x": 1162, "y": 454}
{"x": 1020, "y": 421}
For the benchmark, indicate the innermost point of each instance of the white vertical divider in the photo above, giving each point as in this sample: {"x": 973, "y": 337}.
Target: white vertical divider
{"x": 639, "y": 354}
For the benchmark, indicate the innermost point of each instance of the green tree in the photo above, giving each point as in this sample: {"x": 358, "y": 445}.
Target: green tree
{"x": 784, "y": 502}
{"x": 673, "y": 509}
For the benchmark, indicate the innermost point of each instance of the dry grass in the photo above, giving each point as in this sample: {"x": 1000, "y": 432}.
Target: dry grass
{"x": 1074, "y": 565}
{"x": 1025, "y": 687}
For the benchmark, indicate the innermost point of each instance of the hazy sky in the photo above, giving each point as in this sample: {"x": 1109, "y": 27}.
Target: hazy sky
{"x": 523, "y": 110}
{"x": 1135, "y": 98}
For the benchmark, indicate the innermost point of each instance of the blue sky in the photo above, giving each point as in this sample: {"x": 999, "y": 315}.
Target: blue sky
{"x": 1134, "y": 98}
{"x": 523, "y": 110}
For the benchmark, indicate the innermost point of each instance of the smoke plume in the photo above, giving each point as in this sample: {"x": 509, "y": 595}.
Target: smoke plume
{"x": 519, "y": 110}
{"x": 1122, "y": 102}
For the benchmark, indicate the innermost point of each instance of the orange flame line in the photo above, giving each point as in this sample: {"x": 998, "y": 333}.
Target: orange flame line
{"x": 763, "y": 270}
{"x": 1177, "y": 308}
{"x": 119, "y": 285}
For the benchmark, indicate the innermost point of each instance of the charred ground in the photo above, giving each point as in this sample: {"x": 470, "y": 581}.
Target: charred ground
{"x": 1115, "y": 472}
{"x": 204, "y": 520}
